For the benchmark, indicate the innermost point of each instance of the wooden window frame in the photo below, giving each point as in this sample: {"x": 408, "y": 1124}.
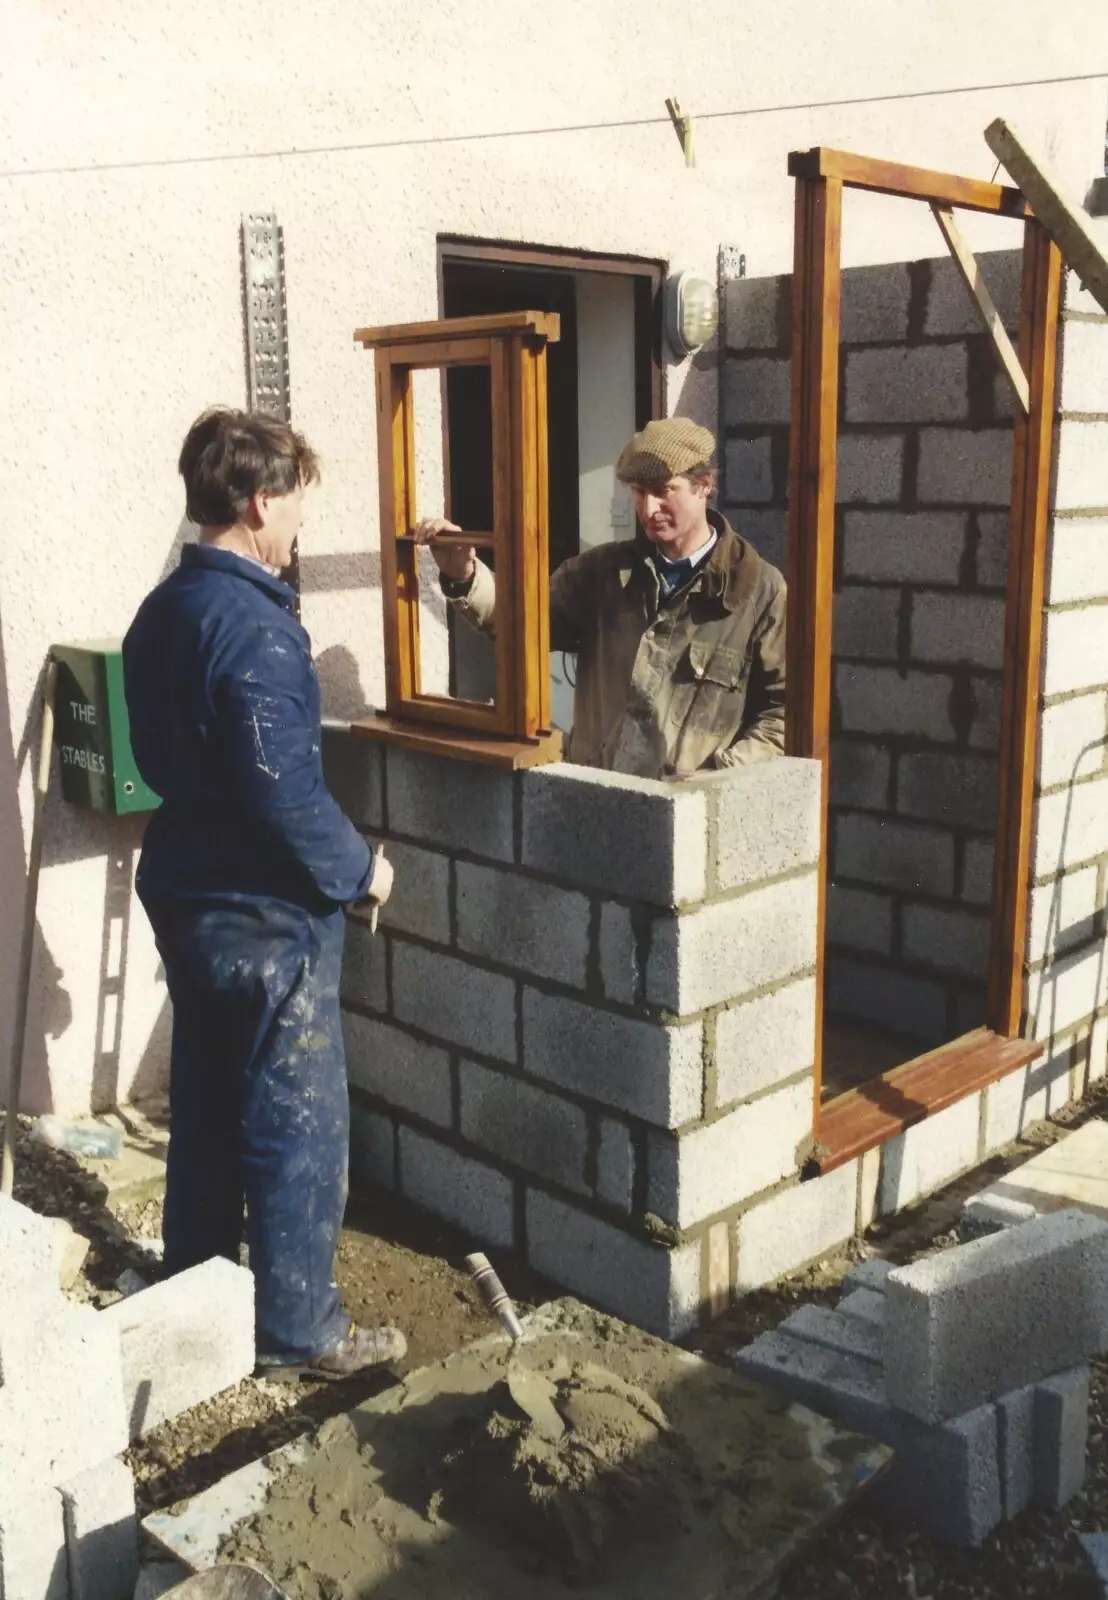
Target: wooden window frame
{"x": 869, "y": 1115}
{"x": 515, "y": 729}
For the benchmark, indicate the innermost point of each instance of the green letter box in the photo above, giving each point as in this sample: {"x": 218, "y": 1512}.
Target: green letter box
{"x": 93, "y": 731}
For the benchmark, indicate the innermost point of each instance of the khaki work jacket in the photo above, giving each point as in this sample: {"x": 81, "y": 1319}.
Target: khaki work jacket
{"x": 665, "y": 689}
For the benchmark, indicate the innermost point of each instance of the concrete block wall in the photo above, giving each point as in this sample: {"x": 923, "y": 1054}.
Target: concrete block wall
{"x": 920, "y": 571}
{"x": 1067, "y": 974}
{"x": 585, "y": 1028}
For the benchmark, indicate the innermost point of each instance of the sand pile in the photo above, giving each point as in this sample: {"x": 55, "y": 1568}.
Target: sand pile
{"x": 579, "y": 1461}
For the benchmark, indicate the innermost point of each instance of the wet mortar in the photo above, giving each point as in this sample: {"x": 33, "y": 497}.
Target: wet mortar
{"x": 592, "y": 1457}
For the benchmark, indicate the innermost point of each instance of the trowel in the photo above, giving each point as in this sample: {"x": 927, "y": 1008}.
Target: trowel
{"x": 232, "y": 1581}
{"x": 532, "y": 1392}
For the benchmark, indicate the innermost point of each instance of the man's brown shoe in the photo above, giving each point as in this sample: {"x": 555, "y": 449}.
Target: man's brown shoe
{"x": 362, "y": 1349}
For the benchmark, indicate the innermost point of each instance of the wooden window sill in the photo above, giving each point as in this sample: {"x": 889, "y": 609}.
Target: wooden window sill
{"x": 488, "y": 750}
{"x": 863, "y": 1118}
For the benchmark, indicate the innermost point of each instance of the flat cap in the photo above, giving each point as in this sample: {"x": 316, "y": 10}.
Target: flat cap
{"x": 664, "y": 449}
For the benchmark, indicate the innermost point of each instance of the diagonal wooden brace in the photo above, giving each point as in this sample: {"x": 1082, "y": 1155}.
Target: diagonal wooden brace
{"x": 966, "y": 262}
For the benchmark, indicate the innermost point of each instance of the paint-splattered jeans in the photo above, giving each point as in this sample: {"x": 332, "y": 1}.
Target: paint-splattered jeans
{"x": 260, "y": 1117}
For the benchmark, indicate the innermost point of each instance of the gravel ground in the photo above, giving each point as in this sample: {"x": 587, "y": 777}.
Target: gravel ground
{"x": 397, "y": 1265}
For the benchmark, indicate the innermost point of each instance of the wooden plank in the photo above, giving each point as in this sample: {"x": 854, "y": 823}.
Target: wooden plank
{"x": 462, "y": 352}
{"x": 478, "y": 716}
{"x": 1023, "y": 624}
{"x": 480, "y": 541}
{"x": 529, "y": 718}
{"x": 504, "y": 467}
{"x": 812, "y": 446}
{"x": 877, "y": 1112}
{"x": 717, "y": 1270}
{"x": 507, "y": 754}
{"x": 544, "y": 323}
{"x": 539, "y": 639}
{"x": 390, "y": 462}
{"x": 551, "y": 259}
{"x": 912, "y": 183}
{"x": 970, "y": 272}
{"x": 1067, "y": 226}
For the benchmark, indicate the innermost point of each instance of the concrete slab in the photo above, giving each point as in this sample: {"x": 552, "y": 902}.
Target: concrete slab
{"x": 1073, "y": 1172}
{"x": 739, "y": 1540}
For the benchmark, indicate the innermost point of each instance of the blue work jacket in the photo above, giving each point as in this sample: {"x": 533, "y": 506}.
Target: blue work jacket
{"x": 225, "y": 725}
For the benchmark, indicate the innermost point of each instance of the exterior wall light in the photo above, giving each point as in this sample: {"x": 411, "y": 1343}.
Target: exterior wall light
{"x": 691, "y": 311}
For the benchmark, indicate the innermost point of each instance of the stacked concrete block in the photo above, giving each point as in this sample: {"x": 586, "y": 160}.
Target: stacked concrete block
{"x": 599, "y": 1008}
{"x": 973, "y": 1444}
{"x": 183, "y": 1340}
{"x": 101, "y": 1534}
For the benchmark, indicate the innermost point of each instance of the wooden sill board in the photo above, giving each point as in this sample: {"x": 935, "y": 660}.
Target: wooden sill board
{"x": 507, "y": 754}
{"x": 876, "y": 1112}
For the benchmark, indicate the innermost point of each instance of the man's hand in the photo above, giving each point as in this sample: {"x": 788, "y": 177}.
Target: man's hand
{"x": 381, "y": 883}
{"x": 457, "y": 561}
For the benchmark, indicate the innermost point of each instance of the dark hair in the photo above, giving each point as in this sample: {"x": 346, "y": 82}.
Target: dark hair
{"x": 230, "y": 456}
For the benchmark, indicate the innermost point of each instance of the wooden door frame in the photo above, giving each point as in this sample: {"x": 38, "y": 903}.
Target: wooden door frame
{"x": 867, "y": 1116}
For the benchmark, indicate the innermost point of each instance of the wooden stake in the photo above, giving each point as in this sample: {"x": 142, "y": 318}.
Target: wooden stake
{"x": 684, "y": 128}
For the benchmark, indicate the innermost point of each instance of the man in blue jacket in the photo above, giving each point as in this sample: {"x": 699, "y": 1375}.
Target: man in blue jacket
{"x": 244, "y": 874}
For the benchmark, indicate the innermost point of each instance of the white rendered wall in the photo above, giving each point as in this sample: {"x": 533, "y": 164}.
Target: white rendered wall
{"x": 134, "y": 138}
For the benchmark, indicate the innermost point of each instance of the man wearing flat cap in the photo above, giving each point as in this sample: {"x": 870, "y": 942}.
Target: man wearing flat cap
{"x": 679, "y": 632}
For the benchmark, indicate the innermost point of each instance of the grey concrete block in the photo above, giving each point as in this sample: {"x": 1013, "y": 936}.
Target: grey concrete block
{"x": 372, "y": 1148}
{"x": 762, "y": 1041}
{"x": 859, "y": 920}
{"x": 61, "y": 1391}
{"x": 520, "y": 922}
{"x": 620, "y": 962}
{"x": 751, "y": 312}
{"x": 605, "y": 830}
{"x": 1084, "y": 387}
{"x": 904, "y": 1004}
{"x": 875, "y": 303}
{"x": 656, "y": 1288}
{"x": 976, "y": 1321}
{"x": 944, "y": 1479}
{"x": 767, "y": 820}
{"x": 992, "y": 549}
{"x": 869, "y": 469}
{"x": 1077, "y": 562}
{"x": 1075, "y": 652}
{"x": 895, "y": 854}
{"x": 656, "y": 1072}
{"x": 766, "y": 528}
{"x": 853, "y": 1336}
{"x": 984, "y": 707}
{"x": 732, "y": 947}
{"x": 615, "y": 1165}
{"x": 524, "y": 1125}
{"x": 364, "y": 979}
{"x": 748, "y": 464}
{"x": 420, "y": 898}
{"x": 33, "y": 1562}
{"x": 352, "y": 770}
{"x": 927, "y": 1155}
{"x": 453, "y": 1000}
{"x": 1061, "y": 1436}
{"x": 866, "y": 622}
{"x": 958, "y": 628}
{"x": 983, "y": 1213}
{"x": 1071, "y": 828}
{"x": 101, "y": 1532}
{"x": 467, "y": 1193}
{"x": 453, "y": 803}
{"x": 1081, "y": 451}
{"x": 947, "y": 786}
{"x": 390, "y": 1064}
{"x": 872, "y": 1274}
{"x": 977, "y": 872}
{"x": 957, "y": 941}
{"x": 904, "y": 546}
{"x": 949, "y": 307}
{"x": 756, "y": 390}
{"x": 1015, "y": 1449}
{"x": 698, "y": 1174}
{"x": 795, "y": 1226}
{"x": 184, "y": 1340}
{"x": 859, "y": 774}
{"x": 1063, "y": 914}
{"x": 30, "y": 1252}
{"x": 864, "y": 1305}
{"x": 973, "y": 467}
{"x": 879, "y": 700}
{"x": 916, "y": 383}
